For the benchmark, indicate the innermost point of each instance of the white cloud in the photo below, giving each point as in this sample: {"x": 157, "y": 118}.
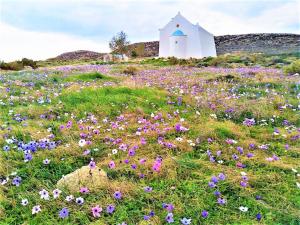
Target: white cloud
{"x": 16, "y": 43}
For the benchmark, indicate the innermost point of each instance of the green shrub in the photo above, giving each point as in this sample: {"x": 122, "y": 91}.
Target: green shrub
{"x": 294, "y": 67}
{"x": 134, "y": 54}
{"x": 173, "y": 60}
{"x": 16, "y": 65}
{"x": 29, "y": 62}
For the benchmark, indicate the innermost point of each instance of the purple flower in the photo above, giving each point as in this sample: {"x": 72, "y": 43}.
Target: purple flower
{"x": 258, "y": 216}
{"x": 151, "y": 213}
{"x": 243, "y": 183}
{"x": 221, "y": 201}
{"x": 214, "y": 179}
{"x": 169, "y": 218}
{"x": 64, "y": 213}
{"x": 222, "y": 176}
{"x": 92, "y": 164}
{"x": 118, "y": 195}
{"x": 250, "y": 155}
{"x": 147, "y": 189}
{"x": 17, "y": 181}
{"x": 240, "y": 150}
{"x": 110, "y": 209}
{"x": 258, "y": 197}
{"x": 235, "y": 157}
{"x": 251, "y": 145}
{"x": 217, "y": 193}
{"x": 133, "y": 166}
{"x": 211, "y": 184}
{"x": 249, "y": 122}
{"x": 146, "y": 217}
{"x": 204, "y": 214}
{"x": 168, "y": 207}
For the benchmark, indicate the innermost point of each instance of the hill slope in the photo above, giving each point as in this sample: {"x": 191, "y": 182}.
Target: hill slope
{"x": 265, "y": 43}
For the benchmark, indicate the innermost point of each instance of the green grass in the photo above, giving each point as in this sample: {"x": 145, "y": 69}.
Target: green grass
{"x": 186, "y": 169}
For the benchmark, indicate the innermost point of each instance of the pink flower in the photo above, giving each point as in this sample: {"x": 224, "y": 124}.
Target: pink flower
{"x": 111, "y": 164}
{"x": 96, "y": 211}
{"x": 156, "y": 166}
{"x": 84, "y": 190}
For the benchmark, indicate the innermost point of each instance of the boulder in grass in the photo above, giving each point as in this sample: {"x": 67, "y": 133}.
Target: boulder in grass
{"x": 84, "y": 177}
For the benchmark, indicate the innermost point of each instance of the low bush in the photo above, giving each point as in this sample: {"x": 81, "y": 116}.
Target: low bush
{"x": 18, "y": 65}
{"x": 131, "y": 70}
{"x": 293, "y": 68}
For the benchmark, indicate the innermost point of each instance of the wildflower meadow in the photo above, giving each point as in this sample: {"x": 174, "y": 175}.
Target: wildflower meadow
{"x": 166, "y": 144}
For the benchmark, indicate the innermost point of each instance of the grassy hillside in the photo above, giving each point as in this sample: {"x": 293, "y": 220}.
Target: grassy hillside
{"x": 162, "y": 143}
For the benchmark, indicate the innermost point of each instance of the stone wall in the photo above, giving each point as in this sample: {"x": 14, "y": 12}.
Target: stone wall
{"x": 264, "y": 43}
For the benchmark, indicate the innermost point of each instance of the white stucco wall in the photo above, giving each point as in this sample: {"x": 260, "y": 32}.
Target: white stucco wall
{"x": 178, "y": 46}
{"x": 199, "y": 43}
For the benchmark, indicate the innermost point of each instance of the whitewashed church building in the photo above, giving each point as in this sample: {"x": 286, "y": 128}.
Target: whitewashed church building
{"x": 182, "y": 39}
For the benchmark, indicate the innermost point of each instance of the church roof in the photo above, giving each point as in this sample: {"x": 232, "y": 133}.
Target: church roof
{"x": 178, "y": 33}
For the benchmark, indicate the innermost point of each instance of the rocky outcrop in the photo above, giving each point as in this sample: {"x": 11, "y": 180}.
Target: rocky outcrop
{"x": 83, "y": 177}
{"x": 263, "y": 43}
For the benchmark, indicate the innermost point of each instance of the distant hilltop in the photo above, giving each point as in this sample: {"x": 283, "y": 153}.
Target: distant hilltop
{"x": 79, "y": 55}
{"x": 263, "y": 43}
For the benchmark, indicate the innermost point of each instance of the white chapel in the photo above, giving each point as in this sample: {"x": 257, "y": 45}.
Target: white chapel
{"x": 182, "y": 39}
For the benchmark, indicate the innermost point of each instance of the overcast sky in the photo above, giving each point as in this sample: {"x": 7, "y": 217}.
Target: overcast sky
{"x": 40, "y": 29}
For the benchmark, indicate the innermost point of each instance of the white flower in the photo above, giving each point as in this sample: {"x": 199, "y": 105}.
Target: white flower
{"x": 9, "y": 141}
{"x": 243, "y": 174}
{"x": 24, "y": 202}
{"x": 46, "y": 161}
{"x": 114, "y": 151}
{"x": 36, "y": 209}
{"x": 294, "y": 170}
{"x": 44, "y": 194}
{"x": 4, "y": 181}
{"x": 69, "y": 198}
{"x": 181, "y": 119}
{"x": 243, "y": 208}
{"x": 82, "y": 142}
{"x": 179, "y": 139}
{"x": 298, "y": 185}
{"x": 79, "y": 201}
{"x": 13, "y": 174}
{"x": 186, "y": 221}
{"x": 213, "y": 116}
{"x": 56, "y": 193}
